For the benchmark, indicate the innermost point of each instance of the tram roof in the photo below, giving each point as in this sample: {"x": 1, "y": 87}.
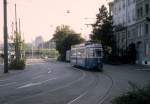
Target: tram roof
{"x": 88, "y": 45}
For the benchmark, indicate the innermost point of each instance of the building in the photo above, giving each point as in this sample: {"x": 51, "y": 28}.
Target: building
{"x": 124, "y": 18}
{"x": 131, "y": 19}
{"x": 142, "y": 37}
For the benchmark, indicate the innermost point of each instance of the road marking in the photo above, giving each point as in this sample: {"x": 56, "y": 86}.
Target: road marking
{"x": 29, "y": 85}
{"x": 83, "y": 76}
{"x": 49, "y": 72}
{"x": 3, "y": 80}
{"x": 35, "y": 84}
{"x": 37, "y": 77}
{"x": 47, "y": 80}
{"x": 35, "y": 63}
{"x": 8, "y": 84}
{"x": 78, "y": 97}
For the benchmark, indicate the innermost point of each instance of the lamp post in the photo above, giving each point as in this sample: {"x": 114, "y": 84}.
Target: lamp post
{"x": 5, "y": 38}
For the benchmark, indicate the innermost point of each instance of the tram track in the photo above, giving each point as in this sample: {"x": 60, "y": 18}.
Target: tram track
{"x": 101, "y": 101}
{"x": 88, "y": 90}
{"x": 86, "y": 93}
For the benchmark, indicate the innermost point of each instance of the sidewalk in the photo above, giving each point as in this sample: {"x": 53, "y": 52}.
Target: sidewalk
{"x": 137, "y": 67}
{"x": 14, "y": 72}
{"x": 122, "y": 74}
{"x": 10, "y": 73}
{"x": 134, "y": 66}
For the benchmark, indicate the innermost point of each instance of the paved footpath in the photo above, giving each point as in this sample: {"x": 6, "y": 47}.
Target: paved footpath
{"x": 122, "y": 75}
{"x": 13, "y": 72}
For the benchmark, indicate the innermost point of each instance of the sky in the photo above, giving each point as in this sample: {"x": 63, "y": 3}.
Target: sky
{"x": 41, "y": 17}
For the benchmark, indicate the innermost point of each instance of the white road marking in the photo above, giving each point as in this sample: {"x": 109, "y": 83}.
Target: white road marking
{"x": 49, "y": 72}
{"x": 83, "y": 76}
{"x": 37, "y": 77}
{"x": 48, "y": 80}
{"x": 34, "y": 63}
{"x": 29, "y": 85}
{"x": 78, "y": 97}
{"x": 55, "y": 88}
{"x": 35, "y": 84}
{"x": 3, "y": 80}
{"x": 8, "y": 84}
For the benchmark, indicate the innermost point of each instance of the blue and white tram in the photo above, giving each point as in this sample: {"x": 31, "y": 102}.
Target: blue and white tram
{"x": 89, "y": 56}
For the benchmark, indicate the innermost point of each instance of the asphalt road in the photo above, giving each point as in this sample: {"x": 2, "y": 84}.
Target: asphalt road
{"x": 51, "y": 82}
{"x": 54, "y": 83}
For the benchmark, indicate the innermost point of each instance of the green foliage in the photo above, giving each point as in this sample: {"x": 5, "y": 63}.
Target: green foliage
{"x": 51, "y": 53}
{"x": 17, "y": 64}
{"x": 17, "y": 44}
{"x": 65, "y": 38}
{"x": 136, "y": 96}
{"x": 103, "y": 32}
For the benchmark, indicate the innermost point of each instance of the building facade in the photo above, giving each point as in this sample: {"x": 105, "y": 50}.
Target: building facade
{"x": 142, "y": 37}
{"x": 131, "y": 19}
{"x": 124, "y": 19}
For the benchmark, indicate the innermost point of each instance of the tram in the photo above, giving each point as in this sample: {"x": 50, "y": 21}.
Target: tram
{"x": 87, "y": 55}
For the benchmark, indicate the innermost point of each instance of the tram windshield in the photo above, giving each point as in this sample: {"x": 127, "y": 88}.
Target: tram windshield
{"x": 98, "y": 52}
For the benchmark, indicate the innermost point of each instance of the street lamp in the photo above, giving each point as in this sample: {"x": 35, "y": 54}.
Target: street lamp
{"x": 5, "y": 38}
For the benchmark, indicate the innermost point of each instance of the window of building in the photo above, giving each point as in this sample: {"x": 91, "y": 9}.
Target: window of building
{"x": 146, "y": 28}
{"x": 138, "y": 30}
{"x": 123, "y": 5}
{"x": 138, "y": 13}
{"x": 133, "y": 15}
{"x": 129, "y": 2}
{"x": 147, "y": 49}
{"x": 129, "y": 18}
{"x": 120, "y": 7}
{"x": 147, "y": 8}
{"x": 141, "y": 12}
{"x": 141, "y": 31}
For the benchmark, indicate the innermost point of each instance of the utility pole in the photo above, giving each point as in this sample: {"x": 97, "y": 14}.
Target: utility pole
{"x": 20, "y": 42}
{"x": 5, "y": 38}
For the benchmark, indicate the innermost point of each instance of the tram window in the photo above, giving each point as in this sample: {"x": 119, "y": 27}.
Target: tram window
{"x": 73, "y": 53}
{"x": 91, "y": 53}
{"x": 81, "y": 52}
{"x": 98, "y": 53}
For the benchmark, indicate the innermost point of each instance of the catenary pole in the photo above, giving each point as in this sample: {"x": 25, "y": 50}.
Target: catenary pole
{"x": 5, "y": 38}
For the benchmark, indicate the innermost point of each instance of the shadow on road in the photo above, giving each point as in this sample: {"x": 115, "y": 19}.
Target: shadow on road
{"x": 85, "y": 69}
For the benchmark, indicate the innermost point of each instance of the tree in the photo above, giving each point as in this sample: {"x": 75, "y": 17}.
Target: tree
{"x": 65, "y": 38}
{"x": 17, "y": 43}
{"x": 18, "y": 62}
{"x": 103, "y": 32}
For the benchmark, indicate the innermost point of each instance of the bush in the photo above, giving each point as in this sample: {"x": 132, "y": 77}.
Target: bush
{"x": 18, "y": 65}
{"x": 135, "y": 96}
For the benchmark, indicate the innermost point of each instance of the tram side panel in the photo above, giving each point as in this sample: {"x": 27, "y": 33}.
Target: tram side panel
{"x": 73, "y": 57}
{"x": 81, "y": 57}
